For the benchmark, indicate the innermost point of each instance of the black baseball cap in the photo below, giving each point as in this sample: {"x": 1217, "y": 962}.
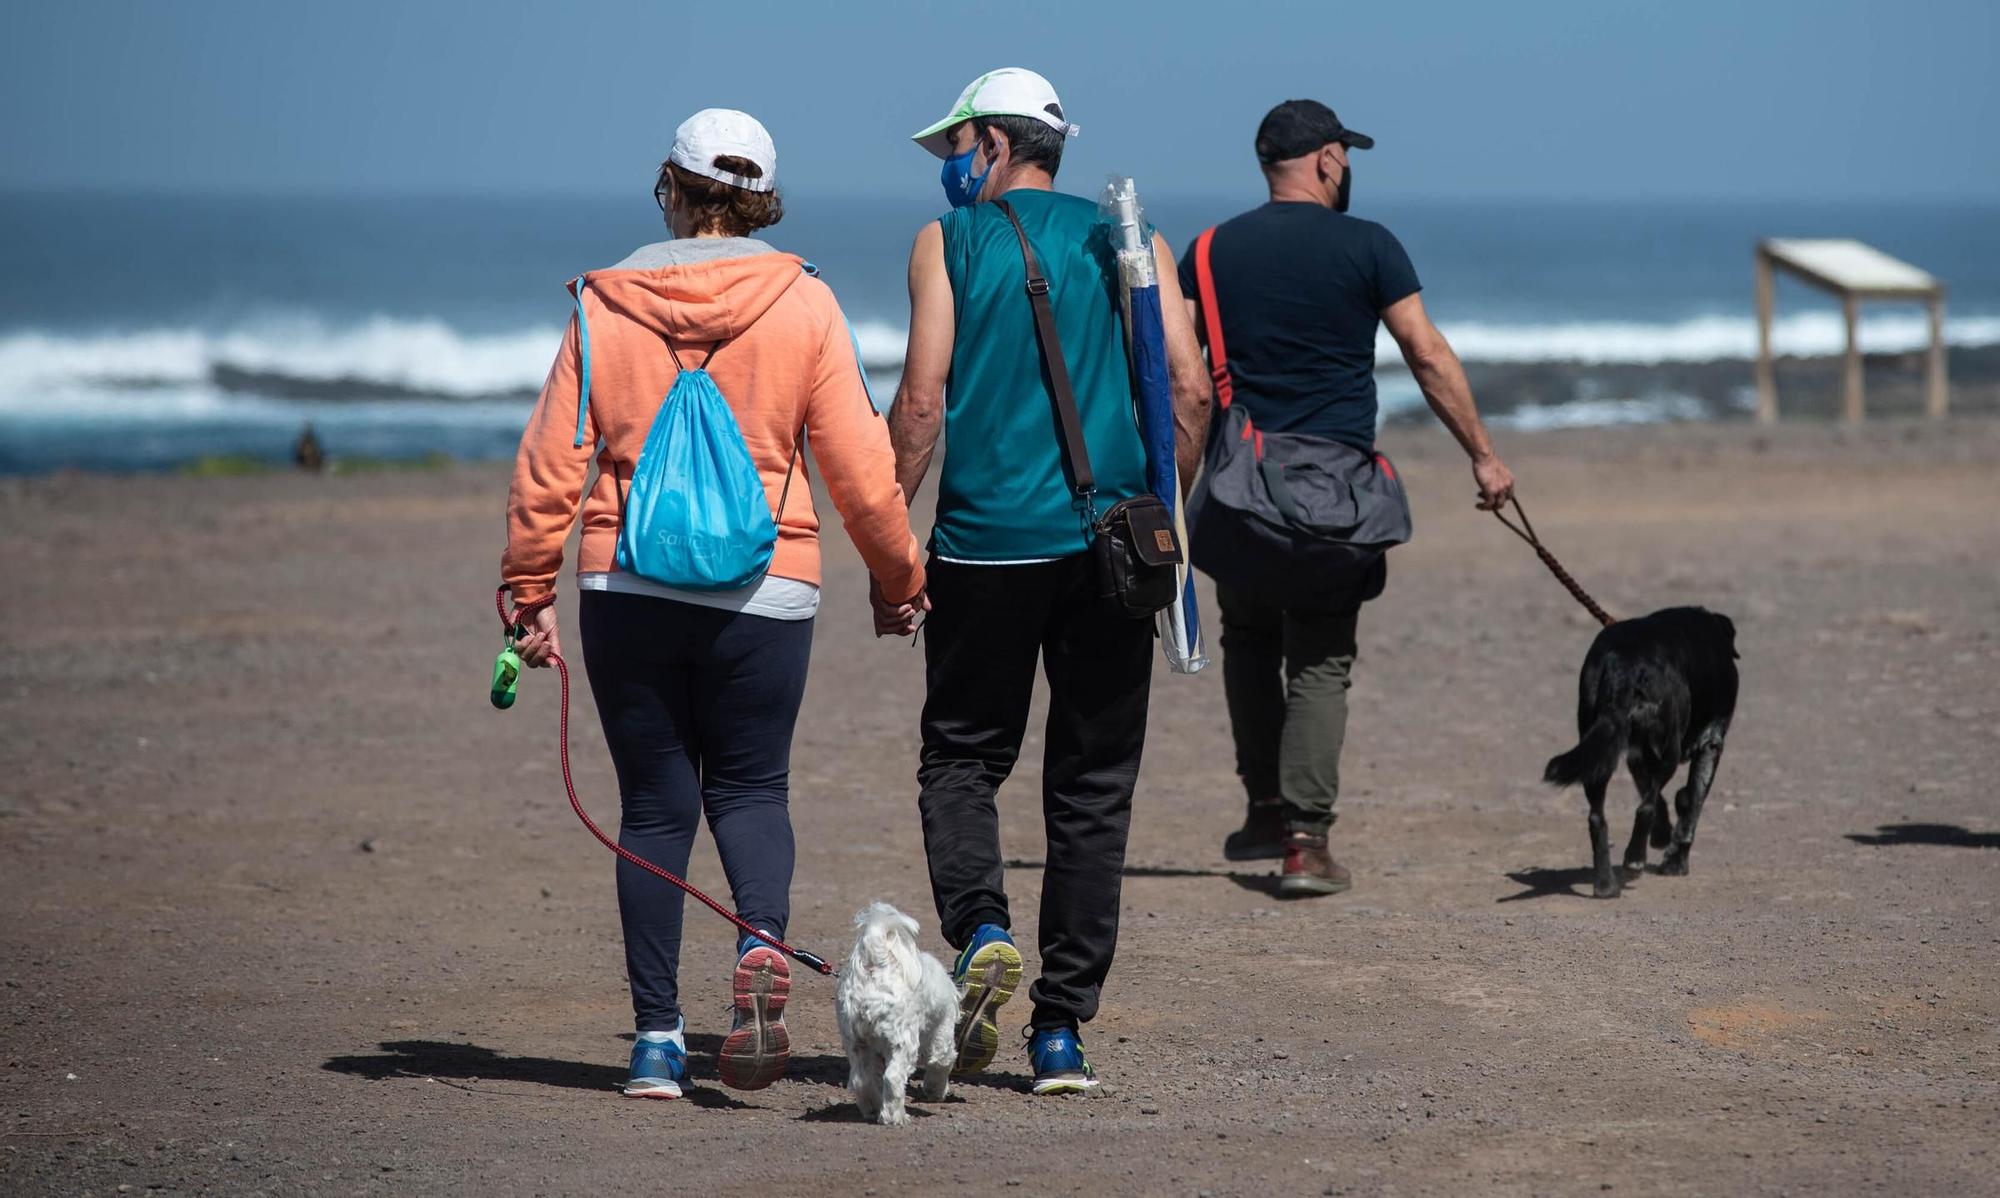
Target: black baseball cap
{"x": 1298, "y": 127}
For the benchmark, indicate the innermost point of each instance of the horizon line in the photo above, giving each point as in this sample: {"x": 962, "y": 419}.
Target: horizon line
{"x": 44, "y": 189}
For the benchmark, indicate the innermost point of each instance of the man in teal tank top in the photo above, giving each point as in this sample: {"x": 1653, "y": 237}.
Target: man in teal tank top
{"x": 1003, "y": 495}
{"x": 1013, "y": 584}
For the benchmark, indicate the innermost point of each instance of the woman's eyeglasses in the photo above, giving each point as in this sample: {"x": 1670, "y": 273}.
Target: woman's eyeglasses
{"x": 661, "y": 191}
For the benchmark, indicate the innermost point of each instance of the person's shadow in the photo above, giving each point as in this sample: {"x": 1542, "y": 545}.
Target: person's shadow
{"x": 1266, "y": 884}
{"x": 472, "y": 1063}
{"x": 1938, "y": 835}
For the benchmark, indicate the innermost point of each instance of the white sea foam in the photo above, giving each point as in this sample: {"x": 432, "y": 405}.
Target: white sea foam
{"x": 281, "y": 357}
{"x": 881, "y": 344}
{"x": 1699, "y": 339}
{"x": 168, "y": 372}
{"x": 1597, "y": 413}
{"x": 422, "y": 357}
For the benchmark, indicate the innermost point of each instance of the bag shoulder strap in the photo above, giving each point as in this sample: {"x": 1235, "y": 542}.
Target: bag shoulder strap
{"x": 1070, "y": 423}
{"x": 1211, "y": 318}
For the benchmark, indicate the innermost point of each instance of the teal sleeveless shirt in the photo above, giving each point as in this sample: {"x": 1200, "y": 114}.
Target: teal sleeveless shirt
{"x": 1003, "y": 495}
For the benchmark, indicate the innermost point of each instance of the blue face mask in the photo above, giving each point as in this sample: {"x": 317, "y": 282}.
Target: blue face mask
{"x": 961, "y": 187}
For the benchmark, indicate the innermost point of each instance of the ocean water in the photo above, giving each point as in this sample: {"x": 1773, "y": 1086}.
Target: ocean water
{"x": 143, "y": 332}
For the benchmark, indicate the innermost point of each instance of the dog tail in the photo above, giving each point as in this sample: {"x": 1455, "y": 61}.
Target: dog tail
{"x": 1595, "y": 758}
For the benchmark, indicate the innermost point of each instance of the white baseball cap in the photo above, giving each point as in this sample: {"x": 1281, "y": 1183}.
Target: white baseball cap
{"x": 717, "y": 132}
{"x": 1009, "y": 91}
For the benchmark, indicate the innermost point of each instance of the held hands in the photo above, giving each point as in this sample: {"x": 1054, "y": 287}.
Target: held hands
{"x": 1496, "y": 482}
{"x": 541, "y": 642}
{"x": 896, "y": 619}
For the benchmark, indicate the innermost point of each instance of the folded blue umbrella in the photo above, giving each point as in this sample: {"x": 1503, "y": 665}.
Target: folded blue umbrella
{"x": 1138, "y": 276}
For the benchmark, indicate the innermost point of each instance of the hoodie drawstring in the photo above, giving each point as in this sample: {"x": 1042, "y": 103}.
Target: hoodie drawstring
{"x": 583, "y": 355}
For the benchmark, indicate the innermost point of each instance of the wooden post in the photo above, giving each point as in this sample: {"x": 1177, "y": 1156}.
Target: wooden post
{"x": 1850, "y": 390}
{"x": 1936, "y": 390}
{"x": 1767, "y": 380}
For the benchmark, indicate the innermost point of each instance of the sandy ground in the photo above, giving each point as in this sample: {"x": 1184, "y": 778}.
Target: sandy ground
{"x": 288, "y": 908}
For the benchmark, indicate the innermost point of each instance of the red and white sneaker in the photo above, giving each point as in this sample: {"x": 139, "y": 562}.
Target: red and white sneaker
{"x": 758, "y": 1047}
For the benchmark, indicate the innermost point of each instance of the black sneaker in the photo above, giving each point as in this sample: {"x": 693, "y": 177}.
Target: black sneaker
{"x": 1262, "y": 836}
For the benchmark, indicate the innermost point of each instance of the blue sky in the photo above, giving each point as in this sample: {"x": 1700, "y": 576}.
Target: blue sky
{"x": 1577, "y": 99}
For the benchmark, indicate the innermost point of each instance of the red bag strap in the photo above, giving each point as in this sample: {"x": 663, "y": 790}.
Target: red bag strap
{"x": 1211, "y": 318}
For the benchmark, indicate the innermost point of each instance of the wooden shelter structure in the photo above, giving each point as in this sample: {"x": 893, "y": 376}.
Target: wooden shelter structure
{"x": 1853, "y": 272}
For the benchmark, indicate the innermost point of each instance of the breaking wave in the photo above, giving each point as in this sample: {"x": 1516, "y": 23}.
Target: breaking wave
{"x": 379, "y": 358}
{"x": 1698, "y": 339}
{"x": 387, "y": 384}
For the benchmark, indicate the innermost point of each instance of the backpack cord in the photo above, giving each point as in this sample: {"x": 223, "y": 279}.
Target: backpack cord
{"x": 791, "y": 464}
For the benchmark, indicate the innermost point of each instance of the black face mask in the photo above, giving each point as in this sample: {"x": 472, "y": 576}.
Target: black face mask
{"x": 1346, "y": 182}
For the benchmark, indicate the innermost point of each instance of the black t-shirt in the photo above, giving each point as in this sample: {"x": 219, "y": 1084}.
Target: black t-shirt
{"x": 1302, "y": 288}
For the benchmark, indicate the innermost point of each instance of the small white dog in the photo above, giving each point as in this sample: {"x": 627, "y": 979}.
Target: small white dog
{"x": 898, "y": 1010}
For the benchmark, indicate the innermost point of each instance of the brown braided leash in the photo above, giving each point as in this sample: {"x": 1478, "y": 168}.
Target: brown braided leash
{"x": 1526, "y": 531}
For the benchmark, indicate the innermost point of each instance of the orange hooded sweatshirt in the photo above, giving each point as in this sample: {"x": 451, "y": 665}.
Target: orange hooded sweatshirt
{"x": 782, "y": 357}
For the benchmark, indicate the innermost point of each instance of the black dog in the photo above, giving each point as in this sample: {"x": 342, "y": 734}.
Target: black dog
{"x": 1656, "y": 691}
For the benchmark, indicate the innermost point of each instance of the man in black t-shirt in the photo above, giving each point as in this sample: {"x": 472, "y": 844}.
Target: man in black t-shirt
{"x": 1301, "y": 289}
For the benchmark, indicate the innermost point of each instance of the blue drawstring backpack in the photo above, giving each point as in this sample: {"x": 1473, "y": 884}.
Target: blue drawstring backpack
{"x": 694, "y": 515}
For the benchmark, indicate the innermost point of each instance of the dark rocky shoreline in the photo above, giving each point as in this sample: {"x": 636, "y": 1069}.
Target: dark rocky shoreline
{"x": 1807, "y": 387}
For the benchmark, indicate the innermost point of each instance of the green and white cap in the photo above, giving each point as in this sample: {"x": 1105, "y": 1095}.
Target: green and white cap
{"x": 1009, "y": 91}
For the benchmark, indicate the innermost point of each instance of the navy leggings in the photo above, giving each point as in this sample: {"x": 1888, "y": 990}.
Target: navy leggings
{"x": 698, "y": 706}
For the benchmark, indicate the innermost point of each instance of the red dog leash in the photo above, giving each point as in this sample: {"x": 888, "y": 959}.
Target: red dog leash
{"x": 515, "y": 628}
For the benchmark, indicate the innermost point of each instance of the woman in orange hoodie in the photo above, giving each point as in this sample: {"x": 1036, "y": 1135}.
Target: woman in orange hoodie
{"x": 698, "y": 691}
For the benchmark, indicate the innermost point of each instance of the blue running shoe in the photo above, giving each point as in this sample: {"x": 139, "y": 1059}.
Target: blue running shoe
{"x": 987, "y": 973}
{"x": 1057, "y": 1055}
{"x": 658, "y": 1066}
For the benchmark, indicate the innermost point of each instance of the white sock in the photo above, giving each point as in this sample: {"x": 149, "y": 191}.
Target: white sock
{"x": 677, "y": 1037}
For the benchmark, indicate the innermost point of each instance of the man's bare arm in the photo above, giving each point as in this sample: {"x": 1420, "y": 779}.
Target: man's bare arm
{"x": 918, "y": 415}
{"x": 1185, "y": 367}
{"x": 1442, "y": 378}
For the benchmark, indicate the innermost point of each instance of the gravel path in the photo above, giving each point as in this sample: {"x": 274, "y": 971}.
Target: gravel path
{"x": 289, "y": 909}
